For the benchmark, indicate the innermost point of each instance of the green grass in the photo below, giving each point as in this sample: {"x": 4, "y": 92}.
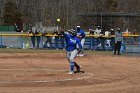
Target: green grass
{"x": 13, "y": 50}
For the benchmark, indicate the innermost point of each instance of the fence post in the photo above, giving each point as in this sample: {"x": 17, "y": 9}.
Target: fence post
{"x": 139, "y": 43}
{"x": 90, "y": 42}
{"x": 42, "y": 41}
{"x": 22, "y": 43}
{"x": 1, "y": 41}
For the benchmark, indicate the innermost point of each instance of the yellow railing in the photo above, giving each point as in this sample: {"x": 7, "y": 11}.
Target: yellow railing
{"x": 88, "y": 35}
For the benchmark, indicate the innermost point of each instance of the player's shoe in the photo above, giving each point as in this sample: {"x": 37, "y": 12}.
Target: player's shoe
{"x": 81, "y": 55}
{"x": 56, "y": 49}
{"x": 79, "y": 69}
{"x": 70, "y": 73}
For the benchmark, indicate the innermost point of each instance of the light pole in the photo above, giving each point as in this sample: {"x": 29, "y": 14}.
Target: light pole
{"x": 58, "y": 23}
{"x": 67, "y": 14}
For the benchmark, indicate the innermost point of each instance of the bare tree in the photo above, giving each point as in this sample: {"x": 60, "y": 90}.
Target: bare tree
{"x": 47, "y": 11}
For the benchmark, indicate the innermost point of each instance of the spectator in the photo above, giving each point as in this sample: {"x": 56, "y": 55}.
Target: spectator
{"x": 91, "y": 31}
{"x": 97, "y": 33}
{"x": 98, "y": 30}
{"x": 62, "y": 39}
{"x": 102, "y": 39}
{"x": 38, "y": 38}
{"x": 48, "y": 41}
{"x": 135, "y": 32}
{"x": 56, "y": 40}
{"x": 135, "y": 37}
{"x": 112, "y": 33}
{"x": 33, "y": 37}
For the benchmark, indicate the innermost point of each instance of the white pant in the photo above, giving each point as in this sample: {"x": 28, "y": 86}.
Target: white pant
{"x": 71, "y": 55}
{"x": 82, "y": 42}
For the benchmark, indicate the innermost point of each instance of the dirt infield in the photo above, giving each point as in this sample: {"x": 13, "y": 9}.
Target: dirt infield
{"x": 47, "y": 73}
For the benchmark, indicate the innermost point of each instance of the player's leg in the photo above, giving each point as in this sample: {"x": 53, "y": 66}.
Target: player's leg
{"x": 72, "y": 57}
{"x": 115, "y": 48}
{"x": 77, "y": 67}
{"x": 72, "y": 63}
{"x": 38, "y": 41}
{"x": 82, "y": 43}
{"x": 112, "y": 42}
{"x": 33, "y": 41}
{"x": 119, "y": 47}
{"x": 45, "y": 44}
{"x": 49, "y": 41}
{"x": 68, "y": 53}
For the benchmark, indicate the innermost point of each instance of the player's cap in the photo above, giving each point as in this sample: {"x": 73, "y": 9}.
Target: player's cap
{"x": 111, "y": 29}
{"x": 78, "y": 26}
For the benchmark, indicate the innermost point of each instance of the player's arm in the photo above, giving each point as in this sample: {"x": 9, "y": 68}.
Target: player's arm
{"x": 83, "y": 34}
{"x": 65, "y": 35}
{"x": 79, "y": 36}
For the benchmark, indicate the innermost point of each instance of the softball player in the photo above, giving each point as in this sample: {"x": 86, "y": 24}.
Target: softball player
{"x": 34, "y": 37}
{"x": 118, "y": 41}
{"x": 71, "y": 48}
{"x": 81, "y": 35}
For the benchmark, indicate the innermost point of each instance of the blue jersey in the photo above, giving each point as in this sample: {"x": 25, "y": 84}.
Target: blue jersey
{"x": 81, "y": 33}
{"x": 71, "y": 42}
